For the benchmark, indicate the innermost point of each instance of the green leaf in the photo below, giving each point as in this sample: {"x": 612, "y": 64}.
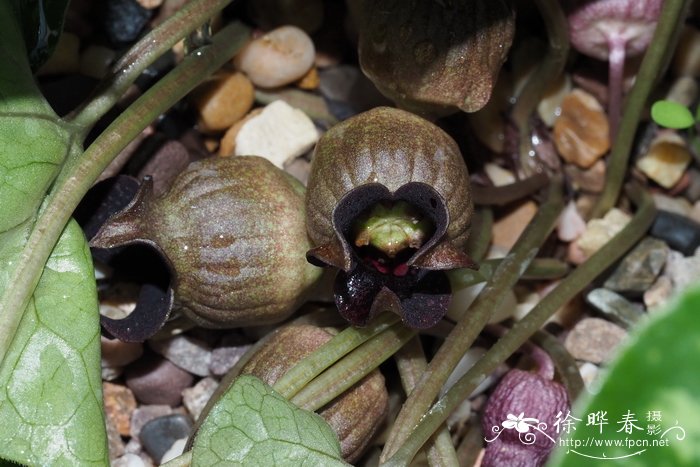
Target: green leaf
{"x": 671, "y": 114}
{"x": 253, "y": 425}
{"x": 34, "y": 141}
{"x": 656, "y": 374}
{"x": 50, "y": 384}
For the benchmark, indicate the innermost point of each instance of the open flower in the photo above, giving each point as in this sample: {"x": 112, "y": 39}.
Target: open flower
{"x": 389, "y": 205}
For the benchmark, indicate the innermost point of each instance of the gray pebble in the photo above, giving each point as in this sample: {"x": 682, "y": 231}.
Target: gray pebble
{"x": 155, "y": 380}
{"x": 196, "y": 397}
{"x": 186, "y": 352}
{"x": 144, "y": 414}
{"x": 158, "y": 435}
{"x": 639, "y": 269}
{"x": 679, "y": 232}
{"x": 615, "y": 307}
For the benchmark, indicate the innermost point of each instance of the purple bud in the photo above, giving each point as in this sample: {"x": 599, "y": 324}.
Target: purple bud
{"x": 519, "y": 418}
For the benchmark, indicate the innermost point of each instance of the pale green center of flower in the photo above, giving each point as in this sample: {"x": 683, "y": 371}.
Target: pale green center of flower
{"x": 392, "y": 228}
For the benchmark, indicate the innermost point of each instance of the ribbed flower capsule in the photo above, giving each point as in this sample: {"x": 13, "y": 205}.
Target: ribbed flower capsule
{"x": 389, "y": 204}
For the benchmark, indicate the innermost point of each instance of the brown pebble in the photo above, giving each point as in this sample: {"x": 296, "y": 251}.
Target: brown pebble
{"x": 581, "y": 133}
{"x": 224, "y": 101}
{"x": 155, "y": 380}
{"x": 310, "y": 80}
{"x": 594, "y": 340}
{"x": 591, "y": 180}
{"x": 119, "y": 403}
{"x": 115, "y": 444}
{"x": 508, "y": 228}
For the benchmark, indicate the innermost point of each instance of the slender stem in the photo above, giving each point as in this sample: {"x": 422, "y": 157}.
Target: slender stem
{"x": 524, "y": 329}
{"x": 563, "y": 361}
{"x": 468, "y": 450}
{"x": 355, "y": 366}
{"x": 539, "y": 269}
{"x": 472, "y": 322}
{"x": 410, "y": 360}
{"x": 669, "y": 22}
{"x": 141, "y": 56}
{"x": 616, "y": 72}
{"x": 505, "y": 194}
{"x": 549, "y": 69}
{"x": 72, "y": 184}
{"x": 330, "y": 352}
{"x": 480, "y": 237}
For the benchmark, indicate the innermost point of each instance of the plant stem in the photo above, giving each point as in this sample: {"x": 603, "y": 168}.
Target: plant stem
{"x": 539, "y": 269}
{"x": 81, "y": 171}
{"x": 666, "y": 31}
{"x": 410, "y": 360}
{"x": 480, "y": 237}
{"x": 524, "y": 329}
{"x": 330, "y": 352}
{"x": 471, "y": 323}
{"x": 139, "y": 57}
{"x": 468, "y": 449}
{"x": 355, "y": 366}
{"x": 549, "y": 69}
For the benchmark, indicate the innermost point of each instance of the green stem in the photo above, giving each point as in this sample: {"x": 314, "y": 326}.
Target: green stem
{"x": 652, "y": 64}
{"x": 480, "y": 237}
{"x": 549, "y": 69}
{"x": 539, "y": 269}
{"x": 355, "y": 366}
{"x": 410, "y": 360}
{"x": 524, "y": 329}
{"x": 330, "y": 352}
{"x": 80, "y": 172}
{"x": 141, "y": 56}
{"x": 473, "y": 321}
{"x": 468, "y": 449}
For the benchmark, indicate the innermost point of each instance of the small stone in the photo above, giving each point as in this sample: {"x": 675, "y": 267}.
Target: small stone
{"x": 571, "y": 225}
{"x": 65, "y": 58}
{"x": 116, "y": 353}
{"x": 158, "y": 435}
{"x": 280, "y": 133}
{"x": 310, "y": 80}
{"x": 591, "y": 180}
{"x": 695, "y": 212}
{"x": 549, "y": 108}
{"x": 581, "y": 133}
{"x": 299, "y": 168}
{"x": 144, "y": 414}
{"x": 658, "y": 294}
{"x": 600, "y": 231}
{"x": 224, "y": 101}
{"x": 615, "y": 307}
{"x": 589, "y": 374}
{"x": 498, "y": 175}
{"x": 119, "y": 403}
{"x": 683, "y": 271}
{"x": 190, "y": 354}
{"x": 128, "y": 460}
{"x": 123, "y": 20}
{"x": 174, "y": 451}
{"x": 693, "y": 190}
{"x": 666, "y": 160}
{"x": 674, "y": 204}
{"x": 680, "y": 232}
{"x": 280, "y": 57}
{"x": 166, "y": 164}
{"x": 224, "y": 358}
{"x": 110, "y": 373}
{"x": 96, "y": 60}
{"x": 347, "y": 87}
{"x": 196, "y": 397}
{"x": 115, "y": 444}
{"x": 227, "y": 145}
{"x": 150, "y": 4}
{"x": 155, "y": 380}
{"x": 508, "y": 228}
{"x": 594, "y": 340}
{"x": 639, "y": 269}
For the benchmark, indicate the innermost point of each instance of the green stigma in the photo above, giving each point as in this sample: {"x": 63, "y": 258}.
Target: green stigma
{"x": 392, "y": 228}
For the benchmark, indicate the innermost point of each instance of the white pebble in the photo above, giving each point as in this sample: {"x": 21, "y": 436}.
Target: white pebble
{"x": 175, "y": 450}
{"x": 571, "y": 225}
{"x": 280, "y": 57}
{"x": 280, "y": 133}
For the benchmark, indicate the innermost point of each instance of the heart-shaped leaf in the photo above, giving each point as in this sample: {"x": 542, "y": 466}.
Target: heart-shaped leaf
{"x": 253, "y": 425}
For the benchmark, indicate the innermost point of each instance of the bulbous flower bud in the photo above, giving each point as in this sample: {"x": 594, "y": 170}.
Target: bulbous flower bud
{"x": 232, "y": 231}
{"x": 435, "y": 56}
{"x": 389, "y": 204}
{"x": 355, "y": 415}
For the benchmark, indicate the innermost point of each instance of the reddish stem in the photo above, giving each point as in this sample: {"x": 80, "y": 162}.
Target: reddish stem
{"x": 616, "y": 71}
